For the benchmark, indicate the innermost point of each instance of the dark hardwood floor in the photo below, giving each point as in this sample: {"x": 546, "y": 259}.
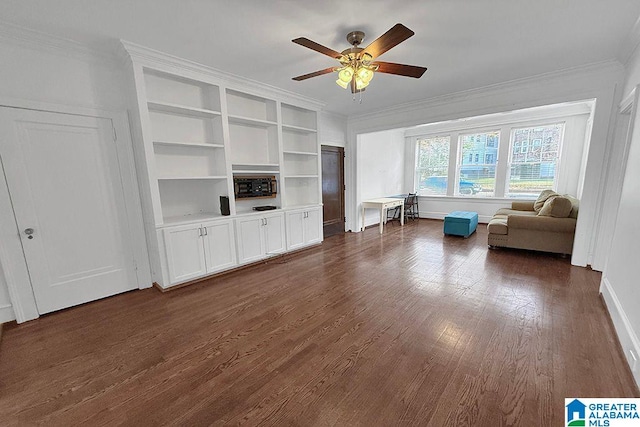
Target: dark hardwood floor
{"x": 407, "y": 328}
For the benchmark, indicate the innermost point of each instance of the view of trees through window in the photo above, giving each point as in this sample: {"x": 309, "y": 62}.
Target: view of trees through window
{"x": 433, "y": 165}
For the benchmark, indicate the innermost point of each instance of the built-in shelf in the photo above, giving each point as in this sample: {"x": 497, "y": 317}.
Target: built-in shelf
{"x": 174, "y": 178}
{"x": 199, "y": 136}
{"x": 300, "y": 153}
{"x": 298, "y": 129}
{"x": 259, "y": 165}
{"x": 181, "y": 109}
{"x": 188, "y": 144}
{"x": 248, "y": 121}
{"x": 237, "y": 171}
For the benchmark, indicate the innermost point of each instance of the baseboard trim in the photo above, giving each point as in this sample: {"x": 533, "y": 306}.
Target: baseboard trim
{"x": 626, "y": 335}
{"x": 6, "y": 313}
{"x": 482, "y": 219}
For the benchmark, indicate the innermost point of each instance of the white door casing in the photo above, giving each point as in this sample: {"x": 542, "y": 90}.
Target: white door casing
{"x": 64, "y": 179}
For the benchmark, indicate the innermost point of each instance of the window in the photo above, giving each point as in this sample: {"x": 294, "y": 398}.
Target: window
{"x": 534, "y": 169}
{"x": 479, "y": 178}
{"x": 511, "y": 155}
{"x": 432, "y": 165}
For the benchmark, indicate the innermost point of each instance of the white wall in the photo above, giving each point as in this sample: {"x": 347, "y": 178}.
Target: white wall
{"x": 54, "y": 78}
{"x": 382, "y": 155}
{"x": 601, "y": 82}
{"x": 620, "y": 279}
{"x": 332, "y": 129}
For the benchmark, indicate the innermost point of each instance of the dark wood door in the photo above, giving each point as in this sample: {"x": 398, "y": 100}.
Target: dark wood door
{"x": 333, "y": 190}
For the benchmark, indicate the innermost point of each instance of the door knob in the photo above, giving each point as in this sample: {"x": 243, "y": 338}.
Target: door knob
{"x": 29, "y": 232}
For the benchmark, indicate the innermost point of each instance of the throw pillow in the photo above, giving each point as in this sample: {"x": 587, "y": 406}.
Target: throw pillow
{"x": 557, "y": 207}
{"x": 542, "y": 198}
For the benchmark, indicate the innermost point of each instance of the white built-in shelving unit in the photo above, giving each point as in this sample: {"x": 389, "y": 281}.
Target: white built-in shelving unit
{"x": 196, "y": 129}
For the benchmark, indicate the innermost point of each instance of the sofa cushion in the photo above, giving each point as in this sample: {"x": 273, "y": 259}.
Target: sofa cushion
{"x": 557, "y": 207}
{"x": 542, "y": 223}
{"x": 507, "y": 211}
{"x": 522, "y": 205}
{"x": 544, "y": 195}
{"x": 498, "y": 225}
{"x": 575, "y": 204}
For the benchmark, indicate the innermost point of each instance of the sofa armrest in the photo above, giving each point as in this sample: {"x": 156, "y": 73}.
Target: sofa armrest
{"x": 522, "y": 206}
{"x": 542, "y": 223}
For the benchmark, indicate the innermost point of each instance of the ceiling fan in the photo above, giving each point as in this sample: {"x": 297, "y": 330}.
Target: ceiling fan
{"x": 357, "y": 65}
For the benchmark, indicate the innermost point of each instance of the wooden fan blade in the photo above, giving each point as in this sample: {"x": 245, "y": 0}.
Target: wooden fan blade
{"x": 303, "y": 41}
{"x": 400, "y": 69}
{"x": 314, "y": 74}
{"x": 396, "y": 35}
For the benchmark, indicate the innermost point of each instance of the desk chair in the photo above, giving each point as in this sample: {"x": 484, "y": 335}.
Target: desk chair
{"x": 411, "y": 207}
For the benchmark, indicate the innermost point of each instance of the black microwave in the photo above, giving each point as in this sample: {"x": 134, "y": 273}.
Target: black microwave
{"x": 254, "y": 187}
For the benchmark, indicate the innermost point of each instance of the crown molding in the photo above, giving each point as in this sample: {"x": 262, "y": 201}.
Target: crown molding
{"x": 166, "y": 62}
{"x": 32, "y": 39}
{"x": 630, "y": 44}
{"x": 604, "y": 67}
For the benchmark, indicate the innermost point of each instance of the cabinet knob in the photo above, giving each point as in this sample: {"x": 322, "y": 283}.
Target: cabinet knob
{"x": 29, "y": 232}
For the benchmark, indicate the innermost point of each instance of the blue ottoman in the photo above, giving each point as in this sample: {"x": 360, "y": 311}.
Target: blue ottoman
{"x": 460, "y": 223}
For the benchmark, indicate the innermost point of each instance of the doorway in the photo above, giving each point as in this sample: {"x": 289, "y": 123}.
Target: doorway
{"x": 64, "y": 178}
{"x": 333, "y": 190}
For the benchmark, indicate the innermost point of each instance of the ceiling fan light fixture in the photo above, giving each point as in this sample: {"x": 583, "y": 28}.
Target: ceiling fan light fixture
{"x": 342, "y": 84}
{"x": 366, "y": 58}
{"x": 361, "y": 84}
{"x": 357, "y": 64}
{"x": 345, "y": 74}
{"x": 365, "y": 74}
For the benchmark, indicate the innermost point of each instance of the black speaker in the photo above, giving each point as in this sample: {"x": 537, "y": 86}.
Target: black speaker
{"x": 224, "y": 205}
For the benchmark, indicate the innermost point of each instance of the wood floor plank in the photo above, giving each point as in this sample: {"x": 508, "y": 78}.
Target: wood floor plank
{"x": 408, "y": 328}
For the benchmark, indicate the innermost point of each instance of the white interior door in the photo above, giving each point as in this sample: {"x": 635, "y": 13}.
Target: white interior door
{"x": 64, "y": 180}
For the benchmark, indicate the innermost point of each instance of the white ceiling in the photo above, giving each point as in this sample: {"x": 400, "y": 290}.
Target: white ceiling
{"x": 464, "y": 43}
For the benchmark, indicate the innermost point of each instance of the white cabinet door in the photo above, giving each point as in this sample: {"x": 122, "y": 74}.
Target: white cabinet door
{"x": 274, "y": 235}
{"x": 250, "y": 247}
{"x": 185, "y": 253}
{"x": 295, "y": 229}
{"x": 313, "y": 226}
{"x": 219, "y": 245}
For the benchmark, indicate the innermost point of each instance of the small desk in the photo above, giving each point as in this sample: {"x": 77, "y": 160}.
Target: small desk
{"x": 383, "y": 204}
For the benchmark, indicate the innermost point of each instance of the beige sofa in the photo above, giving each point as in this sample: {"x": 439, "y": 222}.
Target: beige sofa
{"x": 522, "y": 227}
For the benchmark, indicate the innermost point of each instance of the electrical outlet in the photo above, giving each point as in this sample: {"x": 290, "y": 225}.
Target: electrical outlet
{"x": 634, "y": 360}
